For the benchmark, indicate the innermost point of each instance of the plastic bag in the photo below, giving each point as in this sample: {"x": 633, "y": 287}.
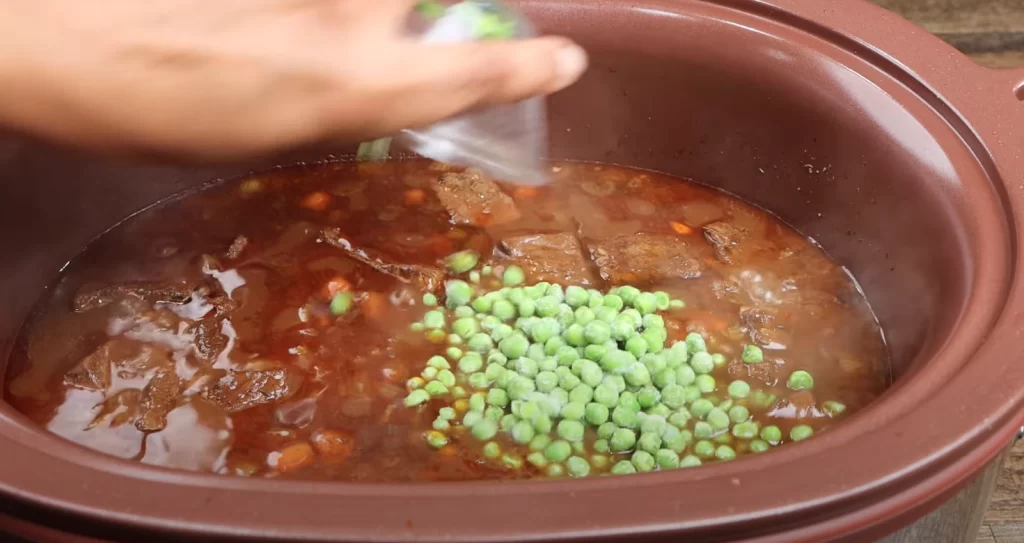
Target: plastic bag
{"x": 506, "y": 142}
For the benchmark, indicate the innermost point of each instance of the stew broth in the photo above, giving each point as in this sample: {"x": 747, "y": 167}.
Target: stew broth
{"x": 200, "y": 333}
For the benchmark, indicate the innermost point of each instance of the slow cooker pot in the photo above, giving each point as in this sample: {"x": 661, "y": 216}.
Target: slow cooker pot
{"x": 897, "y": 154}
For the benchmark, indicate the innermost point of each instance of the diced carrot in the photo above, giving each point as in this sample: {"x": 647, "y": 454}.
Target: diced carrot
{"x": 680, "y": 228}
{"x": 525, "y": 192}
{"x": 375, "y": 306}
{"x": 442, "y": 246}
{"x": 292, "y": 457}
{"x": 335, "y": 446}
{"x": 317, "y": 201}
{"x": 336, "y": 285}
{"x": 414, "y": 197}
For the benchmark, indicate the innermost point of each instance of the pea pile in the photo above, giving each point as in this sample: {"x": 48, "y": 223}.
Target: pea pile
{"x": 579, "y": 382}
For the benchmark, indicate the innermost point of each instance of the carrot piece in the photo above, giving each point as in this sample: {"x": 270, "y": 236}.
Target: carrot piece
{"x": 336, "y": 285}
{"x": 375, "y": 306}
{"x": 336, "y": 446}
{"x": 292, "y": 457}
{"x": 414, "y": 197}
{"x": 680, "y": 228}
{"x": 317, "y": 201}
{"x": 525, "y": 192}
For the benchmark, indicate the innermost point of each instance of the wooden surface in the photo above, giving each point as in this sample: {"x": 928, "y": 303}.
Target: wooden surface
{"x": 992, "y": 33}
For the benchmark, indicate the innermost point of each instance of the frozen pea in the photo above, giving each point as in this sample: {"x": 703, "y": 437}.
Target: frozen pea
{"x": 527, "y": 367}
{"x": 705, "y": 383}
{"x": 514, "y": 346}
{"x": 522, "y": 432}
{"x": 739, "y": 413}
{"x": 623, "y": 329}
{"x": 498, "y": 397}
{"x": 581, "y": 394}
{"x": 433, "y": 320}
{"x": 513, "y": 276}
{"x": 718, "y": 419}
{"x": 772, "y": 434}
{"x": 597, "y": 332}
{"x": 703, "y": 430}
{"x": 446, "y": 377}
{"x": 689, "y": 461}
{"x": 602, "y": 446}
{"x": 752, "y": 354}
{"x": 702, "y": 363}
{"x": 745, "y": 430}
{"x": 617, "y": 362}
{"x": 643, "y": 461}
{"x": 676, "y": 439}
{"x": 623, "y": 467}
{"x": 685, "y": 375}
{"x": 605, "y": 314}
{"x": 503, "y": 310}
{"x": 519, "y": 387}
{"x": 547, "y": 306}
{"x": 552, "y": 346}
{"x": 624, "y": 417}
{"x": 584, "y": 316}
{"x": 725, "y": 452}
{"x": 800, "y": 380}
{"x": 558, "y": 451}
{"x": 665, "y": 378}
{"x": 436, "y": 439}
{"x": 801, "y": 432}
{"x": 695, "y": 343}
{"x": 454, "y": 353}
{"x": 674, "y": 396}
{"x": 417, "y": 397}
{"x": 606, "y": 395}
{"x": 546, "y": 381}
{"x": 615, "y": 381}
{"x": 833, "y": 408}
{"x": 649, "y": 442}
{"x": 660, "y": 410}
{"x": 575, "y": 335}
{"x": 666, "y": 459}
{"x": 539, "y": 442}
{"x": 570, "y": 430}
{"x": 482, "y": 304}
{"x": 436, "y": 388}
{"x": 606, "y": 430}
{"x": 594, "y": 352}
{"x": 680, "y": 418}
{"x": 759, "y": 446}
{"x": 719, "y": 359}
{"x": 576, "y": 296}
{"x": 439, "y": 362}
{"x": 527, "y": 307}
{"x": 692, "y": 393}
{"x": 480, "y": 342}
{"x": 591, "y": 374}
{"x": 537, "y": 459}
{"x": 704, "y": 449}
{"x": 596, "y": 414}
{"x": 457, "y": 293}
{"x": 494, "y": 413}
{"x": 677, "y": 355}
{"x": 573, "y": 411}
{"x": 577, "y": 466}
{"x": 623, "y": 439}
{"x": 429, "y": 299}
{"x": 648, "y": 396}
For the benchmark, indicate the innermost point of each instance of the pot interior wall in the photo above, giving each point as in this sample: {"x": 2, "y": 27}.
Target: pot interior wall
{"x": 769, "y": 119}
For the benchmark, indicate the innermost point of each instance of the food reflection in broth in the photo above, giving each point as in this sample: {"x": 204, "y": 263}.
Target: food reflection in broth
{"x": 303, "y": 323}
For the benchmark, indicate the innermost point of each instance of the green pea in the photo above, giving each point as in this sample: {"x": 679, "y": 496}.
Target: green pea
{"x": 718, "y": 419}
{"x": 464, "y": 312}
{"x": 498, "y": 397}
{"x": 594, "y": 352}
{"x": 527, "y": 308}
{"x": 718, "y": 359}
{"x": 675, "y": 439}
{"x": 503, "y": 310}
{"x": 653, "y": 424}
{"x": 643, "y": 461}
{"x": 623, "y": 467}
{"x": 433, "y": 320}
{"x": 436, "y": 388}
{"x": 566, "y": 355}
{"x": 762, "y": 399}
{"x": 489, "y": 322}
{"x": 752, "y": 354}
{"x": 695, "y": 343}
{"x": 666, "y": 459}
{"x": 568, "y": 382}
{"x": 576, "y": 296}
{"x": 674, "y": 396}
{"x": 535, "y": 352}
{"x": 547, "y": 306}
{"x": 584, "y": 316}
{"x": 703, "y": 430}
{"x": 446, "y": 377}
{"x": 546, "y": 381}
{"x": 704, "y": 449}
{"x": 647, "y": 396}
{"x": 624, "y": 417}
{"x": 615, "y": 381}
{"x": 623, "y": 439}
{"x": 692, "y": 393}
{"x": 801, "y": 432}
{"x": 705, "y": 383}
{"x": 702, "y": 363}
{"x": 519, "y": 387}
{"x": 435, "y": 439}
{"x": 514, "y": 346}
{"x": 507, "y": 421}
{"x": 739, "y": 413}
{"x": 689, "y": 461}
{"x": 574, "y": 411}
{"x": 429, "y": 299}
{"x": 665, "y": 378}
{"x": 590, "y": 373}
{"x": 417, "y": 397}
{"x": 677, "y": 355}
{"x": 606, "y": 430}
{"x": 637, "y": 375}
{"x": 577, "y": 467}
{"x": 772, "y": 434}
{"x": 833, "y": 408}
{"x": 800, "y": 380}
{"x": 596, "y": 414}
{"x": 654, "y": 339}
{"x": 545, "y": 329}
{"x": 581, "y": 394}
{"x": 537, "y": 459}
{"x": 606, "y": 395}
{"x": 605, "y": 314}
{"x": 553, "y": 345}
{"x": 596, "y": 332}
{"x": 636, "y": 346}
{"x": 570, "y": 430}
{"x": 480, "y": 343}
{"x": 413, "y": 383}
{"x": 725, "y": 452}
{"x": 623, "y": 329}
{"x": 601, "y": 446}
{"x": 627, "y": 293}
{"x": 462, "y": 261}
{"x": 558, "y": 451}
{"x": 513, "y": 276}
{"x": 660, "y": 409}
{"x": 627, "y": 399}
{"x": 482, "y": 304}
{"x": 527, "y": 367}
{"x": 494, "y": 413}
{"x": 438, "y": 362}
{"x": 649, "y": 442}
{"x": 457, "y": 293}
{"x": 617, "y": 362}
{"x": 613, "y": 301}
{"x": 555, "y": 290}
{"x": 454, "y": 353}
{"x": 745, "y": 430}
{"x": 759, "y": 446}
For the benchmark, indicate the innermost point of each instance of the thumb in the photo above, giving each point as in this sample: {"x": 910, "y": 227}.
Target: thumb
{"x": 443, "y": 80}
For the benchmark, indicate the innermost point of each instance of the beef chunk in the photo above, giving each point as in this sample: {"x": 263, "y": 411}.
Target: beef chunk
{"x": 762, "y": 327}
{"x": 425, "y": 277}
{"x": 123, "y": 358}
{"x": 158, "y": 398}
{"x": 241, "y": 390}
{"x": 645, "y": 257}
{"x": 91, "y": 297}
{"x": 557, "y": 258}
{"x": 473, "y": 199}
{"x": 725, "y": 238}
{"x": 237, "y": 246}
{"x": 209, "y": 342}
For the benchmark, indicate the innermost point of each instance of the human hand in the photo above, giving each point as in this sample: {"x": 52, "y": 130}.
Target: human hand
{"x": 228, "y": 79}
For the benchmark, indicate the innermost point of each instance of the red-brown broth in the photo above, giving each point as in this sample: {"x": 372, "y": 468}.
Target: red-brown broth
{"x": 354, "y": 368}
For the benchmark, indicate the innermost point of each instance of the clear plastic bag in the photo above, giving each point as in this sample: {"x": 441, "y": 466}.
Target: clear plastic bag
{"x": 507, "y": 141}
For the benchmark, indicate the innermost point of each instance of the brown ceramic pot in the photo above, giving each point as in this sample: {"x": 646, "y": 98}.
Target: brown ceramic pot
{"x": 904, "y": 159}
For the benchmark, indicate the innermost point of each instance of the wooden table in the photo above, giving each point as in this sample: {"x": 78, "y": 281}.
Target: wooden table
{"x": 992, "y": 33}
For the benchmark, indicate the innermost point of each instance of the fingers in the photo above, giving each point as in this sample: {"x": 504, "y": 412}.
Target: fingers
{"x": 421, "y": 84}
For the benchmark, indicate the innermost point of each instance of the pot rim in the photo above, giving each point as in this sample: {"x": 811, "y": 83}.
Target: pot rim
{"x": 980, "y": 102}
